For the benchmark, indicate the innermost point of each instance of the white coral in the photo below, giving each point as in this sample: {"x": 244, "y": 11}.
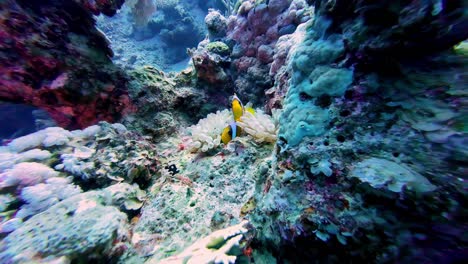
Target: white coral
{"x": 78, "y": 163}
{"x": 205, "y": 250}
{"x": 48, "y": 137}
{"x": 259, "y": 125}
{"x": 40, "y": 197}
{"x": 206, "y": 134}
{"x": 26, "y": 174}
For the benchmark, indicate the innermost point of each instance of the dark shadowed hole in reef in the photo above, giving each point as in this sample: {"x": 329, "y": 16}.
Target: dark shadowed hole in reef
{"x": 323, "y": 101}
{"x": 19, "y": 119}
{"x": 340, "y": 138}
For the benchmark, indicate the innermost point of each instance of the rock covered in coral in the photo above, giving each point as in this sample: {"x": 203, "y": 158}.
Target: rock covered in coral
{"x": 212, "y": 67}
{"x": 343, "y": 118}
{"x": 48, "y": 137}
{"x": 399, "y": 29}
{"x": 82, "y": 224}
{"x": 164, "y": 101}
{"x": 41, "y": 196}
{"x": 216, "y": 24}
{"x": 114, "y": 154}
{"x": 60, "y": 64}
{"x": 50, "y": 205}
{"x": 101, "y": 154}
{"x": 255, "y": 31}
{"x": 26, "y": 174}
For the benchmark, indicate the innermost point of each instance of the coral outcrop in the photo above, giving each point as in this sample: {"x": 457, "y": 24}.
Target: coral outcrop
{"x": 254, "y": 32}
{"x": 61, "y": 64}
{"x": 74, "y": 227}
{"x": 350, "y": 112}
{"x": 59, "y": 208}
{"x": 164, "y": 102}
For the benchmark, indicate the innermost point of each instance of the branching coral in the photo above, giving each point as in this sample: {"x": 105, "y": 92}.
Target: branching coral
{"x": 206, "y": 134}
{"x": 259, "y": 125}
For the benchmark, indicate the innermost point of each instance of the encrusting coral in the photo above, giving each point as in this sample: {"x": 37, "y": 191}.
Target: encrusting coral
{"x": 382, "y": 173}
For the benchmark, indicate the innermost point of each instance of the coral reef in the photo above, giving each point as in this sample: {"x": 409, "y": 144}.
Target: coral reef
{"x": 344, "y": 115}
{"x": 52, "y": 211}
{"x": 211, "y": 62}
{"x": 363, "y": 158}
{"x": 255, "y": 31}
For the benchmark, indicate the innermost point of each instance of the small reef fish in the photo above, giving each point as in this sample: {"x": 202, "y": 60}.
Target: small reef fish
{"x": 237, "y": 108}
{"x": 230, "y": 132}
{"x": 233, "y": 130}
{"x": 172, "y": 169}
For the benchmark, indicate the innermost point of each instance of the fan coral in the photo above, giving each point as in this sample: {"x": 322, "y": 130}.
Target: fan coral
{"x": 206, "y": 134}
{"x": 259, "y": 125}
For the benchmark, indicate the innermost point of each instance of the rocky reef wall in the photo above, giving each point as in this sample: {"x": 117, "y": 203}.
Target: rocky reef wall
{"x": 54, "y": 58}
{"x": 370, "y": 148}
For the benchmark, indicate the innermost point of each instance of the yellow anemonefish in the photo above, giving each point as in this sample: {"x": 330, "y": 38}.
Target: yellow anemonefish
{"x": 230, "y": 132}
{"x": 237, "y": 108}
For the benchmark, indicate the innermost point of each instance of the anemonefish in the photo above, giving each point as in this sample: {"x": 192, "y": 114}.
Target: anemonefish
{"x": 233, "y": 130}
{"x": 237, "y": 108}
{"x": 230, "y": 132}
